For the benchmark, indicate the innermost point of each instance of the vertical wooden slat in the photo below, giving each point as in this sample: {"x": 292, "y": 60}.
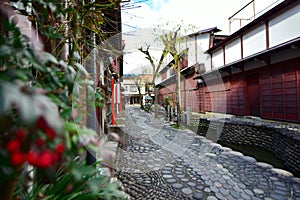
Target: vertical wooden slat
{"x": 298, "y": 85}
{"x": 283, "y": 93}
{"x": 267, "y": 35}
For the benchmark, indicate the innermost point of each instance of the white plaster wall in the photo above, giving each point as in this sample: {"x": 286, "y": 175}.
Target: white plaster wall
{"x": 285, "y": 27}
{"x": 202, "y": 42}
{"x": 218, "y": 59}
{"x": 233, "y": 51}
{"x": 254, "y": 41}
{"x": 192, "y": 51}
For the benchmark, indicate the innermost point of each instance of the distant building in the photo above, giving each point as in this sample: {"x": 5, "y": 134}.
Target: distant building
{"x": 132, "y": 84}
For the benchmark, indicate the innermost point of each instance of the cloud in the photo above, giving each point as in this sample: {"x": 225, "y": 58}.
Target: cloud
{"x": 202, "y": 13}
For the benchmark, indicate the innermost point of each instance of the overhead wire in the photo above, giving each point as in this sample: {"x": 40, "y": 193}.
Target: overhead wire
{"x": 132, "y": 5}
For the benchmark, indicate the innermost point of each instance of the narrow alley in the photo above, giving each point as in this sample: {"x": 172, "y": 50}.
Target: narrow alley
{"x": 160, "y": 162}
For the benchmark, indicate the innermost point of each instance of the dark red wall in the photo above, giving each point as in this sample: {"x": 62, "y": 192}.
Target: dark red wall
{"x": 271, "y": 92}
{"x": 280, "y": 91}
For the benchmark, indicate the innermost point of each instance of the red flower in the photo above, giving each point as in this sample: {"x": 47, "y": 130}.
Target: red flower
{"x": 32, "y": 158}
{"x": 39, "y": 142}
{"x": 43, "y": 125}
{"x": 60, "y": 149}
{"x": 17, "y": 158}
{"x": 46, "y": 159}
{"x": 51, "y": 134}
{"x": 20, "y": 134}
{"x": 13, "y": 146}
{"x": 41, "y": 160}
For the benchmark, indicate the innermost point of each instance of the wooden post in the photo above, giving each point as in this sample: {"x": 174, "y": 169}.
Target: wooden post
{"x": 112, "y": 101}
{"x": 117, "y": 99}
{"x": 121, "y": 100}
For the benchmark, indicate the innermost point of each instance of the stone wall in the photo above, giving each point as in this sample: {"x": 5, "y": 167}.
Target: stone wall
{"x": 281, "y": 139}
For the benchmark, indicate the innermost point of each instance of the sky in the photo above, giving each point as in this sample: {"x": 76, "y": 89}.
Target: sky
{"x": 201, "y": 13}
{"x": 139, "y": 15}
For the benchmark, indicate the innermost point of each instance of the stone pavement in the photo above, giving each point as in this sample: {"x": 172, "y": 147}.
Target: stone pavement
{"x": 160, "y": 162}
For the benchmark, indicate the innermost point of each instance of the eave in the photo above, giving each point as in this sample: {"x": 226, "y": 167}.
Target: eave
{"x": 261, "y": 56}
{"x": 287, "y": 4}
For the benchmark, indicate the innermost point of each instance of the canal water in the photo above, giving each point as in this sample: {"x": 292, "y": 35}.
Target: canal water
{"x": 260, "y": 154}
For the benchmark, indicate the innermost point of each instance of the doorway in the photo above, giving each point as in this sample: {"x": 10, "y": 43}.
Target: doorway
{"x": 253, "y": 95}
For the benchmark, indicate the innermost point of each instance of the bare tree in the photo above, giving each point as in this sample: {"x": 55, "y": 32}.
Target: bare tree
{"x": 139, "y": 83}
{"x": 170, "y": 41}
{"x": 155, "y": 70}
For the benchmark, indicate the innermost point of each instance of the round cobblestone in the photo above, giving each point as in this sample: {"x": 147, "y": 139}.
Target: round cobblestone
{"x": 214, "y": 189}
{"x": 237, "y": 189}
{"x": 258, "y": 191}
{"x": 211, "y": 198}
{"x": 198, "y": 196}
{"x": 249, "y": 192}
{"x": 171, "y": 180}
{"x": 241, "y": 185}
{"x": 205, "y": 177}
{"x": 217, "y": 184}
{"x": 192, "y": 184}
{"x": 249, "y": 159}
{"x": 199, "y": 187}
{"x": 224, "y": 192}
{"x": 230, "y": 182}
{"x": 226, "y": 177}
{"x": 235, "y": 194}
{"x": 177, "y": 185}
{"x": 220, "y": 196}
{"x": 209, "y": 182}
{"x": 222, "y": 180}
{"x": 167, "y": 176}
{"x": 187, "y": 191}
{"x": 245, "y": 196}
{"x": 148, "y": 170}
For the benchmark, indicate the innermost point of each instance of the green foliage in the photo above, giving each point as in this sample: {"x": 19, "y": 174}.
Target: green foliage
{"x": 37, "y": 82}
{"x": 80, "y": 182}
{"x": 180, "y": 127}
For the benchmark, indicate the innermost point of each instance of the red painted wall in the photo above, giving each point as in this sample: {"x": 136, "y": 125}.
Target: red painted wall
{"x": 280, "y": 91}
{"x": 271, "y": 92}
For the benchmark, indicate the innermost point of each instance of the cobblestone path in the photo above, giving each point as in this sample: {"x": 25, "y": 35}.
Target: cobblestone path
{"x": 159, "y": 162}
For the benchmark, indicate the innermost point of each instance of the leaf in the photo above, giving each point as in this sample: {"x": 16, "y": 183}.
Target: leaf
{"x": 47, "y": 57}
{"x": 28, "y": 112}
{"x": 76, "y": 56}
{"x": 5, "y": 50}
{"x": 29, "y": 104}
{"x": 66, "y": 112}
{"x": 81, "y": 69}
{"x": 77, "y": 173}
{"x": 71, "y": 127}
{"x": 63, "y": 64}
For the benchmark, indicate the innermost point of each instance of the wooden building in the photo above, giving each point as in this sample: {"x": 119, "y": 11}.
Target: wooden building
{"x": 254, "y": 71}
